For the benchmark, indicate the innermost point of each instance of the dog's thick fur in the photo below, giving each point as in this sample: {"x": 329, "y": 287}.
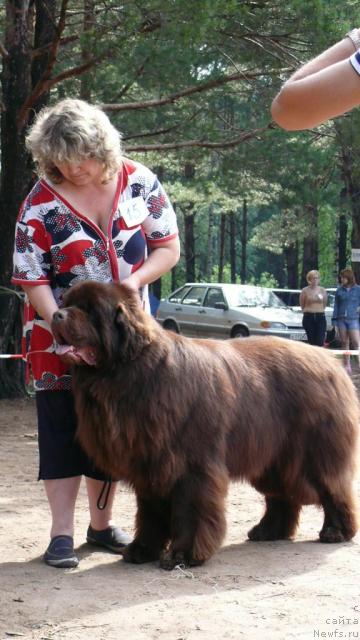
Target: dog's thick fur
{"x": 177, "y": 418}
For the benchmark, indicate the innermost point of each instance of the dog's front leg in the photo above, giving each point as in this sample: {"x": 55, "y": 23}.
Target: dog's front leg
{"x": 152, "y": 530}
{"x": 197, "y": 518}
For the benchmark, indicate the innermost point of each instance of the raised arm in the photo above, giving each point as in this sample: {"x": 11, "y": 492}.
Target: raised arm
{"x": 161, "y": 259}
{"x": 323, "y": 88}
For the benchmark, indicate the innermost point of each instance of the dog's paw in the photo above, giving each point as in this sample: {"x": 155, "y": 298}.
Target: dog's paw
{"x": 170, "y": 559}
{"x": 261, "y": 533}
{"x": 138, "y": 553}
{"x": 331, "y": 534}
{"x": 257, "y": 534}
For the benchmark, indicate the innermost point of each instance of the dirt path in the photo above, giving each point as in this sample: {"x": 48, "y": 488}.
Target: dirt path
{"x": 281, "y": 590}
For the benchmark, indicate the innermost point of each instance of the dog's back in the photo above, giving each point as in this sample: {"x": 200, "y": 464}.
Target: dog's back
{"x": 297, "y": 419}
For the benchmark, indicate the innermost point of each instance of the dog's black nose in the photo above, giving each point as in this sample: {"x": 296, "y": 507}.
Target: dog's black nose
{"x": 59, "y": 315}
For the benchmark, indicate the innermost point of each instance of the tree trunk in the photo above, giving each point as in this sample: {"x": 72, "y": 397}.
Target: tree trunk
{"x": 11, "y": 371}
{"x": 222, "y": 247}
{"x": 244, "y": 233}
{"x": 174, "y": 278}
{"x": 18, "y": 77}
{"x": 291, "y": 254}
{"x": 311, "y": 248}
{"x": 209, "y": 255}
{"x": 86, "y": 49}
{"x": 45, "y": 31}
{"x": 189, "y": 174}
{"x": 189, "y": 171}
{"x": 309, "y": 261}
{"x": 16, "y": 85}
{"x": 232, "y": 224}
{"x": 189, "y": 247}
{"x": 342, "y": 242}
{"x": 174, "y": 269}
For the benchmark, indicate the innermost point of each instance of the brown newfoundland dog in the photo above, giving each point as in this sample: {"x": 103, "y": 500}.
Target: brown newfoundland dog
{"x": 177, "y": 418}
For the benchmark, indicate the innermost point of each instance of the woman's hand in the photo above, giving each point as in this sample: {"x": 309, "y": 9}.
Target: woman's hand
{"x": 132, "y": 283}
{"x": 160, "y": 261}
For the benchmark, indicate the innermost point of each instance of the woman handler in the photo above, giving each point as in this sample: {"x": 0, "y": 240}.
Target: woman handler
{"x": 93, "y": 215}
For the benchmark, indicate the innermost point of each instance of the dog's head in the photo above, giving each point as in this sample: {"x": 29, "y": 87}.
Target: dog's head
{"x": 104, "y": 323}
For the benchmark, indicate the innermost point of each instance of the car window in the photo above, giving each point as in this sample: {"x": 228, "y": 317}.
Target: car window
{"x": 253, "y": 297}
{"x": 294, "y": 299}
{"x": 178, "y": 295}
{"x": 330, "y": 299}
{"x": 291, "y": 298}
{"x": 195, "y": 296}
{"x": 213, "y": 296}
{"x": 283, "y": 295}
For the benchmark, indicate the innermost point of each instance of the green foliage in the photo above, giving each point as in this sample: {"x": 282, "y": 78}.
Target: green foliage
{"x": 266, "y": 280}
{"x": 327, "y": 245}
{"x": 226, "y": 274}
{"x": 149, "y": 51}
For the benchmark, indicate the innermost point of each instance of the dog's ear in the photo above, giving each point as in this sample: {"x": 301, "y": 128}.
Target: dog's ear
{"x": 134, "y": 331}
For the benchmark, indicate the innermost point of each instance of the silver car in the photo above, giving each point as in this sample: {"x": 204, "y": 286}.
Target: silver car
{"x": 210, "y": 310}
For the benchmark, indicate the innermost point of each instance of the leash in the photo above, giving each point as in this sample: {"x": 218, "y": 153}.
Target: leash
{"x": 105, "y": 491}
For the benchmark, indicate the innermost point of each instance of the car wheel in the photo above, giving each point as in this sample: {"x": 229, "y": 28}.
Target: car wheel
{"x": 169, "y": 325}
{"x": 240, "y": 332}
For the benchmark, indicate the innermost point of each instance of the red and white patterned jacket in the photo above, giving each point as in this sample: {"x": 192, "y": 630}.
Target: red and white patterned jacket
{"x": 58, "y": 246}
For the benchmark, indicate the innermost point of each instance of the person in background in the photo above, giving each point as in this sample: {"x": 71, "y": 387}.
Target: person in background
{"x": 313, "y": 300}
{"x": 92, "y": 215}
{"x": 346, "y": 313}
{"x": 325, "y": 87}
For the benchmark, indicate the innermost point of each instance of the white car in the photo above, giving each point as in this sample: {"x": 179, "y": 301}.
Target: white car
{"x": 217, "y": 310}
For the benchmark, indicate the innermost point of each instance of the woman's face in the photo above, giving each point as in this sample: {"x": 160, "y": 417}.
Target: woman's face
{"x": 81, "y": 173}
{"x": 314, "y": 280}
{"x": 344, "y": 280}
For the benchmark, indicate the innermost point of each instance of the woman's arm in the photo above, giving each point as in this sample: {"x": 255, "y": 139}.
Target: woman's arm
{"x": 302, "y": 299}
{"x": 335, "y": 311}
{"x": 323, "y": 88}
{"x": 42, "y": 299}
{"x": 160, "y": 261}
{"x": 325, "y": 297}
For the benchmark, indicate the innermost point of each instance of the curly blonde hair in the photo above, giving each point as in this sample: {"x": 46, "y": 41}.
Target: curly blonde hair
{"x": 70, "y": 131}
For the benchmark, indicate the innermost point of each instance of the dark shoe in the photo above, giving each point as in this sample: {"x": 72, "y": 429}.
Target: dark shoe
{"x": 60, "y": 553}
{"x": 113, "y": 538}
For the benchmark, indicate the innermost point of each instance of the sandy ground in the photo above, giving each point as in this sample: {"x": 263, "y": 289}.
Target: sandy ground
{"x": 301, "y": 589}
